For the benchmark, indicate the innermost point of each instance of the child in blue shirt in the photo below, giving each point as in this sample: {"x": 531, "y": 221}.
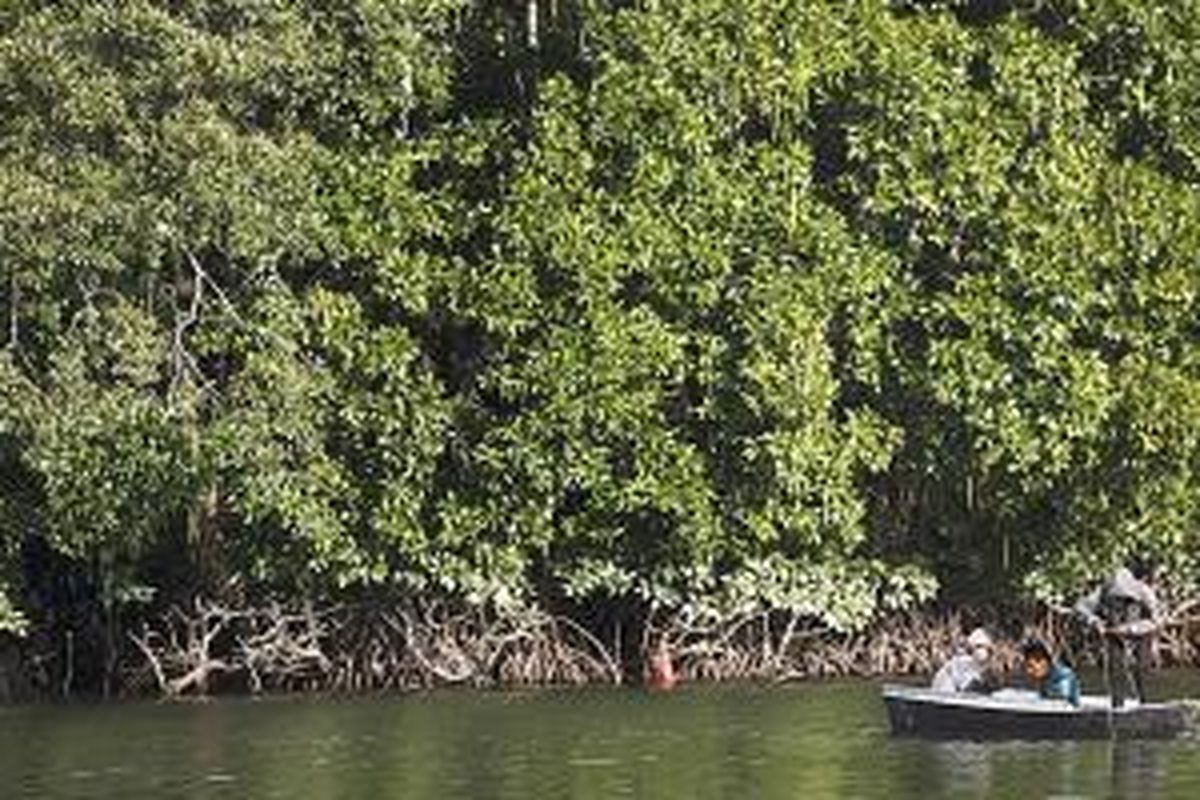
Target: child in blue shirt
{"x": 1051, "y": 678}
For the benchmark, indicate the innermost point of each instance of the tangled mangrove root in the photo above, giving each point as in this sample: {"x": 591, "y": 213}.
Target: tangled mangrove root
{"x": 779, "y": 646}
{"x": 418, "y": 645}
{"x": 267, "y": 646}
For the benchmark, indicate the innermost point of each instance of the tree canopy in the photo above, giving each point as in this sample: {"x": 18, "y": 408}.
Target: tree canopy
{"x": 826, "y": 306}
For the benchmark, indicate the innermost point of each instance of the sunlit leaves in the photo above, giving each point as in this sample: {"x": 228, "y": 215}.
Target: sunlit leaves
{"x": 691, "y": 303}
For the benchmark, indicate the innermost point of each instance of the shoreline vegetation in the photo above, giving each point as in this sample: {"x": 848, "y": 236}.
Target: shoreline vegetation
{"x": 459, "y": 341}
{"x": 212, "y": 650}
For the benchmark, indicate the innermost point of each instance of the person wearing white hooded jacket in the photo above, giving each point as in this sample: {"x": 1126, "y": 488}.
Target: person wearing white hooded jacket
{"x": 969, "y": 671}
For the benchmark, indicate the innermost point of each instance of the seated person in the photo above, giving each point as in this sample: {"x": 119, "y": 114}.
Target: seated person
{"x": 970, "y": 671}
{"x": 1051, "y": 678}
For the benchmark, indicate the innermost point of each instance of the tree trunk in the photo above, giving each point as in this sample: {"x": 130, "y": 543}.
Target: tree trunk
{"x": 531, "y": 24}
{"x": 14, "y": 302}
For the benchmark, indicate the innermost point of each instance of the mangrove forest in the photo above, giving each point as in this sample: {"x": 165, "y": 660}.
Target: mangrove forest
{"x": 366, "y": 344}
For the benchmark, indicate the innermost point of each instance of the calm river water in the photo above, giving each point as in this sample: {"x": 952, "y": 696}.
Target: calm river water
{"x": 803, "y": 741}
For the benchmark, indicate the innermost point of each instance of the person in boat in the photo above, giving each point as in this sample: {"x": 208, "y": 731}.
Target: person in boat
{"x": 1125, "y": 610}
{"x": 1052, "y": 678}
{"x": 969, "y": 671}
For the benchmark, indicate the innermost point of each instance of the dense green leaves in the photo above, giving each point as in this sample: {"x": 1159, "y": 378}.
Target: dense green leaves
{"x": 702, "y": 304}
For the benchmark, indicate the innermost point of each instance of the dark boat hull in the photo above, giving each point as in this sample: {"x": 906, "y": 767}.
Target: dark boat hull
{"x": 1017, "y": 715}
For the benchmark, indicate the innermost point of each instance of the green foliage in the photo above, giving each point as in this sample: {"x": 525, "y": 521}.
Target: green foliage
{"x": 109, "y": 453}
{"x": 12, "y": 621}
{"x": 700, "y": 304}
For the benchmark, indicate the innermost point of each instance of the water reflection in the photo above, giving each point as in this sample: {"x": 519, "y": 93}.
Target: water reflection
{"x": 966, "y": 765}
{"x": 1139, "y": 769}
{"x": 816, "y": 740}
{"x": 1116, "y": 769}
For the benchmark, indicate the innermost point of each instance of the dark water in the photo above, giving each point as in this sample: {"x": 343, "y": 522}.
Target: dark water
{"x": 809, "y": 740}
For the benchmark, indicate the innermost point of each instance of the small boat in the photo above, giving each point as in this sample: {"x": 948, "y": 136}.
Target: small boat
{"x": 1017, "y": 714}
